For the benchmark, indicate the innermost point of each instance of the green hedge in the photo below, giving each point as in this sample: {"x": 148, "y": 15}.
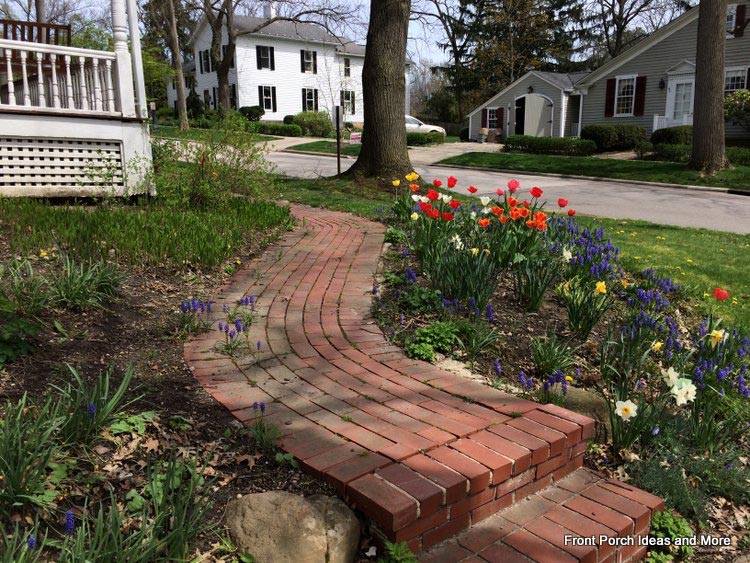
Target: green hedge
{"x": 739, "y": 156}
{"x": 424, "y": 139}
{"x": 280, "y": 129}
{"x": 314, "y": 123}
{"x": 569, "y": 146}
{"x": 681, "y": 135}
{"x": 614, "y": 137}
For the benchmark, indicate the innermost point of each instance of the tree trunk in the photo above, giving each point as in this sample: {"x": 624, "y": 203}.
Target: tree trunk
{"x": 41, "y": 11}
{"x": 174, "y": 46}
{"x": 384, "y": 153}
{"x": 709, "y": 151}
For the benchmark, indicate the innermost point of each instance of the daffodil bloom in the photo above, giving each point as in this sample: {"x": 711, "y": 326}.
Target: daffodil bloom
{"x": 656, "y": 346}
{"x": 416, "y": 197}
{"x": 717, "y": 336}
{"x": 569, "y": 378}
{"x": 486, "y": 250}
{"x": 43, "y": 254}
{"x": 670, "y": 376}
{"x": 485, "y": 201}
{"x": 473, "y": 215}
{"x": 601, "y": 288}
{"x": 626, "y": 409}
{"x": 486, "y": 210}
{"x": 414, "y": 216}
{"x": 625, "y": 283}
{"x": 412, "y": 176}
{"x": 684, "y": 391}
{"x": 567, "y": 255}
{"x": 457, "y": 243}
{"x": 396, "y": 183}
{"x": 474, "y": 251}
{"x": 446, "y": 198}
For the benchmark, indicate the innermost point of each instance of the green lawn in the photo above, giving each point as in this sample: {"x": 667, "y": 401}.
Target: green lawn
{"x": 328, "y": 147}
{"x": 213, "y": 135}
{"x": 668, "y": 172}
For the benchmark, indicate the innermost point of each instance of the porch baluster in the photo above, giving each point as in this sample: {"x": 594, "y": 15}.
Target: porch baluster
{"x": 25, "y": 79}
{"x": 55, "y": 85}
{"x": 69, "y": 84}
{"x": 111, "y": 106}
{"x": 82, "y": 83}
{"x": 97, "y": 85}
{"x": 11, "y": 86}
{"x": 42, "y": 97}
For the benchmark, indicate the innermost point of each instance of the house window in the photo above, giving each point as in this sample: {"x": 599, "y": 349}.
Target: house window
{"x": 734, "y": 80}
{"x": 265, "y": 57}
{"x": 625, "y": 92}
{"x": 309, "y": 61}
{"x": 205, "y": 59}
{"x": 347, "y": 101}
{"x": 731, "y": 19}
{"x": 491, "y": 118}
{"x": 309, "y": 99}
{"x": 347, "y": 67}
{"x": 267, "y": 97}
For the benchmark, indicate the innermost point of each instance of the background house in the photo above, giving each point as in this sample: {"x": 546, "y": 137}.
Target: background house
{"x": 651, "y": 85}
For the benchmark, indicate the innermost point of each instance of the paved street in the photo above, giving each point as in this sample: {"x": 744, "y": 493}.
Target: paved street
{"x": 671, "y": 206}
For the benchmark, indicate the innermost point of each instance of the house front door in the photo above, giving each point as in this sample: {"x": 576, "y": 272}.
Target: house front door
{"x": 680, "y": 101}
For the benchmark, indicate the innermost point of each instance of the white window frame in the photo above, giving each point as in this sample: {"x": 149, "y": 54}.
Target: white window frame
{"x": 619, "y": 79}
{"x": 349, "y": 101}
{"x": 489, "y": 118}
{"x": 736, "y": 69}
{"x": 310, "y": 62}
{"x": 347, "y": 67}
{"x": 309, "y": 99}
{"x": 268, "y": 98}
{"x": 267, "y": 57}
{"x": 731, "y": 16}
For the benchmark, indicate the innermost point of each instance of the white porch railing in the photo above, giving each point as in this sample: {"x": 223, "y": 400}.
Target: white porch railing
{"x": 662, "y": 121}
{"x": 58, "y": 79}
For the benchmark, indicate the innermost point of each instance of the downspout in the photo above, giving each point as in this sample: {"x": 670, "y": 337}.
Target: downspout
{"x": 135, "y": 46}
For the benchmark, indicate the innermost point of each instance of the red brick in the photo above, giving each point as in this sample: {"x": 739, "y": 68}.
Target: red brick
{"x": 354, "y": 468}
{"x": 515, "y": 483}
{"x": 310, "y": 442}
{"x": 570, "y": 429}
{"x": 498, "y": 464}
{"x": 582, "y": 526}
{"x": 456, "y": 485}
{"x": 318, "y": 464}
{"x": 579, "y": 481}
{"x": 533, "y": 487}
{"x": 457, "y": 415}
{"x": 619, "y": 524}
{"x": 425, "y": 523}
{"x": 555, "y": 439}
{"x": 642, "y": 497}
{"x": 387, "y": 506}
{"x": 428, "y": 494}
{"x": 637, "y": 512}
{"x": 501, "y": 553}
{"x": 470, "y": 503}
{"x": 536, "y": 548}
{"x": 490, "y": 508}
{"x": 520, "y": 456}
{"x": 556, "y": 494}
{"x": 587, "y": 424}
{"x": 555, "y": 534}
{"x": 477, "y": 474}
{"x": 539, "y": 448}
{"x": 448, "y": 552}
{"x": 437, "y": 436}
{"x": 527, "y": 510}
{"x": 551, "y": 464}
{"x": 568, "y": 468}
{"x": 398, "y": 452}
{"x": 488, "y": 532}
{"x": 445, "y": 531}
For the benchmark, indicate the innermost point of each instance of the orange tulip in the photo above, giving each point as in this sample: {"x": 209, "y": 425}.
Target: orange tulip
{"x": 484, "y": 223}
{"x": 497, "y": 210}
{"x": 524, "y": 212}
{"x": 504, "y": 219}
{"x": 512, "y": 201}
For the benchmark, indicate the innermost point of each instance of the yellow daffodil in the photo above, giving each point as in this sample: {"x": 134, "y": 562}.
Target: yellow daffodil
{"x": 474, "y": 251}
{"x": 690, "y": 260}
{"x": 43, "y": 254}
{"x": 414, "y": 216}
{"x": 396, "y": 183}
{"x": 706, "y": 295}
{"x": 717, "y": 336}
{"x": 601, "y": 288}
{"x": 412, "y": 177}
{"x": 656, "y": 346}
{"x": 626, "y": 409}
{"x": 625, "y": 283}
{"x": 568, "y": 378}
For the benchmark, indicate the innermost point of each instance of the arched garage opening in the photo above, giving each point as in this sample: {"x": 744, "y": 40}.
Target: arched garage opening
{"x": 533, "y": 115}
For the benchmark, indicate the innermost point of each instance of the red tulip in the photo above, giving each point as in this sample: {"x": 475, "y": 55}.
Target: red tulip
{"x": 437, "y": 183}
{"x": 562, "y": 202}
{"x": 433, "y": 213}
{"x": 721, "y": 294}
{"x": 472, "y": 189}
{"x": 452, "y": 181}
{"x": 500, "y": 192}
{"x": 525, "y": 203}
{"x": 432, "y": 195}
{"x": 447, "y": 216}
{"x": 414, "y": 188}
{"x": 454, "y": 204}
{"x": 571, "y": 212}
{"x": 424, "y": 206}
{"x": 512, "y": 201}
{"x": 513, "y": 185}
{"x": 536, "y": 192}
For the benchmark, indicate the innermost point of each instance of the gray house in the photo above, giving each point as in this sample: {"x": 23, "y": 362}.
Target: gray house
{"x": 650, "y": 84}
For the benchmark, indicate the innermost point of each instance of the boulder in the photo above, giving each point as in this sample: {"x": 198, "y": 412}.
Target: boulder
{"x": 280, "y": 527}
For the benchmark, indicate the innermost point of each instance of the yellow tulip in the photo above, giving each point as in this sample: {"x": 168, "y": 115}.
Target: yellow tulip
{"x": 414, "y": 216}
{"x": 396, "y": 183}
{"x": 412, "y": 176}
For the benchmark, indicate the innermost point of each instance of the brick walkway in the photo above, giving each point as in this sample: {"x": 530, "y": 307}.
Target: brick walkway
{"x": 423, "y": 453}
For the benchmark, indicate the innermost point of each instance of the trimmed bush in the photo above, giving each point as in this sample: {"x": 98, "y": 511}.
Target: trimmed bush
{"x": 464, "y": 134}
{"x": 278, "y": 129}
{"x": 252, "y": 113}
{"x": 739, "y": 156}
{"x": 643, "y": 149}
{"x": 288, "y": 120}
{"x": 614, "y": 137}
{"x": 424, "y": 139}
{"x": 314, "y": 123}
{"x": 672, "y": 153}
{"x": 568, "y": 146}
{"x": 680, "y": 135}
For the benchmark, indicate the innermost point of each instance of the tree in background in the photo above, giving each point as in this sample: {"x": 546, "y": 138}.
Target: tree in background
{"x": 709, "y": 145}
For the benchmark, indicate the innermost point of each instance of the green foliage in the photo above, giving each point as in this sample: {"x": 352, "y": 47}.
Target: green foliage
{"x": 532, "y": 278}
{"x": 14, "y": 548}
{"x": 131, "y": 423}
{"x": 584, "y": 304}
{"x": 420, "y": 351}
{"x": 14, "y": 331}
{"x": 672, "y": 153}
{"x": 668, "y": 525}
{"x": 292, "y": 130}
{"x": 569, "y": 146}
{"x": 680, "y": 135}
{"x": 286, "y": 459}
{"x": 415, "y": 139}
{"x": 89, "y": 34}
{"x": 84, "y": 285}
{"x": 440, "y": 336}
{"x": 394, "y": 235}
{"x": 464, "y": 134}
{"x": 397, "y": 553}
{"x": 418, "y": 299}
{"x": 474, "y": 338}
{"x": 643, "y": 149}
{"x": 25, "y": 288}
{"x": 265, "y": 434}
{"x": 737, "y": 108}
{"x": 314, "y": 123}
{"x": 611, "y": 137}
{"x": 551, "y": 354}
{"x": 288, "y": 119}
{"x": 252, "y": 113}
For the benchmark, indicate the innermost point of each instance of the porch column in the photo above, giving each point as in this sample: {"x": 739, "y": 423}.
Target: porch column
{"x": 135, "y": 46}
{"x": 123, "y": 64}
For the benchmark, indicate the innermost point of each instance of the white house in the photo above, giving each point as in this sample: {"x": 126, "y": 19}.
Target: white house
{"x": 73, "y": 122}
{"x": 285, "y": 67}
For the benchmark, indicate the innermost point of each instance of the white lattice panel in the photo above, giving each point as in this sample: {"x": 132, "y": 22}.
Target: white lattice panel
{"x": 68, "y": 165}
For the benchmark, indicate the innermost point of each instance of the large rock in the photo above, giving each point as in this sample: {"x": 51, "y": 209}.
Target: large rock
{"x": 279, "y": 527}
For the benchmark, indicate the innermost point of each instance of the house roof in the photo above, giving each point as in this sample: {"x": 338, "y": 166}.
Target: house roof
{"x": 656, "y": 37}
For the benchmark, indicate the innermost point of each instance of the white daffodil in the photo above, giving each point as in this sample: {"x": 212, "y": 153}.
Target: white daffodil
{"x": 567, "y": 254}
{"x": 684, "y": 391}
{"x": 424, "y": 199}
{"x": 485, "y": 200}
{"x": 671, "y": 377}
{"x": 486, "y": 210}
{"x": 473, "y": 215}
{"x": 457, "y": 243}
{"x": 446, "y": 198}
{"x": 416, "y": 197}
{"x": 414, "y": 216}
{"x": 626, "y": 409}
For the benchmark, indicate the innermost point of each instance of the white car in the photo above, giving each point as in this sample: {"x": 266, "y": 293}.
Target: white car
{"x": 413, "y": 125}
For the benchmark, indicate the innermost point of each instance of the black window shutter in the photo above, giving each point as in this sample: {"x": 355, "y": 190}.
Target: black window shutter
{"x": 485, "y": 117}
{"x": 342, "y": 98}
{"x": 270, "y": 55}
{"x": 609, "y": 98}
{"x": 315, "y": 64}
{"x": 260, "y": 97}
{"x": 739, "y": 21}
{"x": 273, "y": 97}
{"x": 304, "y": 100}
{"x": 200, "y": 61}
{"x": 302, "y": 59}
{"x": 354, "y": 109}
{"x": 257, "y": 56}
{"x": 639, "y": 106}
{"x": 316, "y": 98}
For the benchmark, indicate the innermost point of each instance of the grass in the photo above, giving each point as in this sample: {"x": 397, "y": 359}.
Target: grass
{"x": 737, "y": 178}
{"x": 327, "y": 147}
{"x": 213, "y": 135}
{"x": 332, "y": 193}
{"x": 147, "y": 234}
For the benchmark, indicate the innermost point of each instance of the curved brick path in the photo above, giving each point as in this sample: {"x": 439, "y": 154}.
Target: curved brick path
{"x": 424, "y": 453}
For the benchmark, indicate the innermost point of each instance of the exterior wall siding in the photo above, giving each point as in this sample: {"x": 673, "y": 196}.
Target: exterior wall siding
{"x": 653, "y": 64}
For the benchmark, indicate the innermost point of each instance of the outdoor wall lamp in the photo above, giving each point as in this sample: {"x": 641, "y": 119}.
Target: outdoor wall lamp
{"x": 662, "y": 84}
{"x": 530, "y": 90}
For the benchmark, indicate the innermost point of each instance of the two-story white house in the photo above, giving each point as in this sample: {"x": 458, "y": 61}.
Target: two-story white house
{"x": 285, "y": 67}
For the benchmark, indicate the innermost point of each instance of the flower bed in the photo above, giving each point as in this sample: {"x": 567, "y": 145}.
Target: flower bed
{"x": 533, "y": 302}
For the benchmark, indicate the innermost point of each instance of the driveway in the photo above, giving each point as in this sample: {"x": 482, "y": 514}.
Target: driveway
{"x": 670, "y": 206}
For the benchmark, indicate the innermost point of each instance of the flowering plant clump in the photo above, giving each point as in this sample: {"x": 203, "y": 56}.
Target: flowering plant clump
{"x": 194, "y": 315}
{"x": 235, "y": 329}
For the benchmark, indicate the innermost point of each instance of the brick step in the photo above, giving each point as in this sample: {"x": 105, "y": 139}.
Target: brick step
{"x": 540, "y": 528}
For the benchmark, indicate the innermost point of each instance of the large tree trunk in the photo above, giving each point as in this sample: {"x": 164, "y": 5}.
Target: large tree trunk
{"x": 174, "y": 46}
{"x": 709, "y": 151}
{"x": 41, "y": 11}
{"x": 384, "y": 153}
